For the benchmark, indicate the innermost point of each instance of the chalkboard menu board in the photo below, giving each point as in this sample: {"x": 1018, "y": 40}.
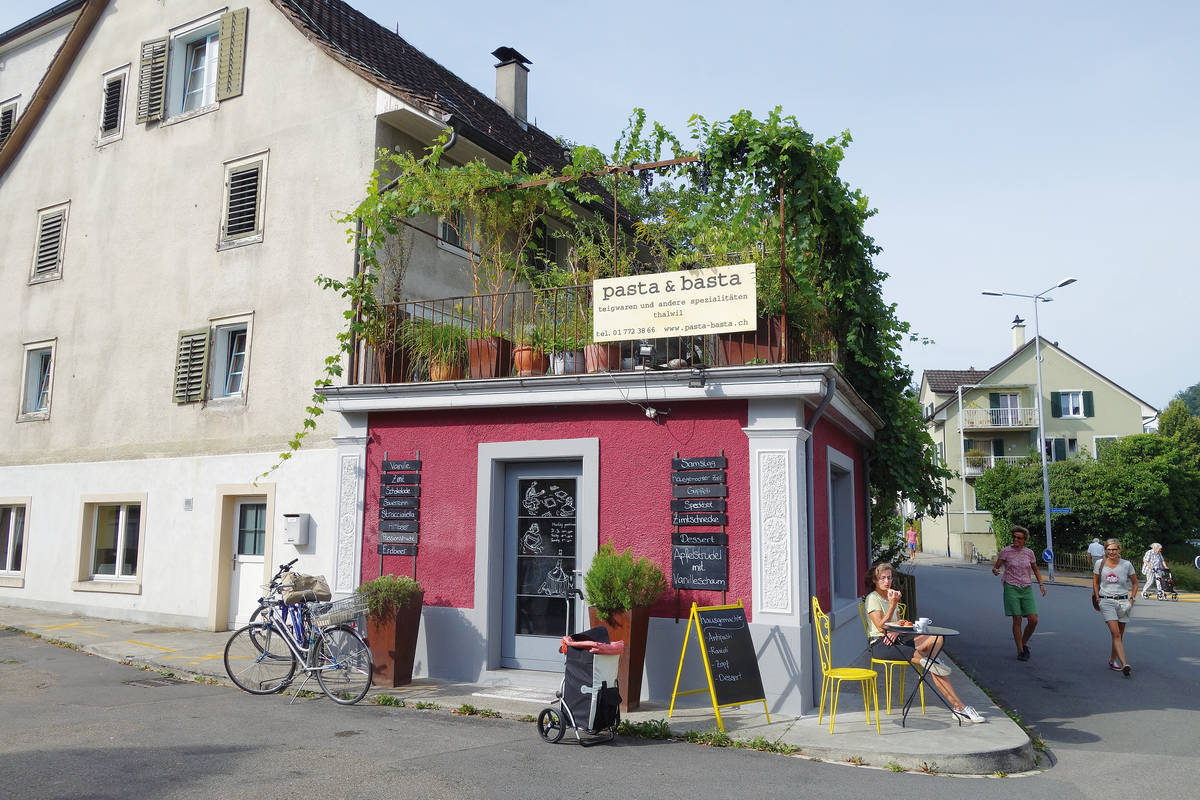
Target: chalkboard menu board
{"x": 399, "y": 509}
{"x": 729, "y": 651}
{"x": 730, "y": 665}
{"x": 697, "y": 484}
{"x": 547, "y": 525}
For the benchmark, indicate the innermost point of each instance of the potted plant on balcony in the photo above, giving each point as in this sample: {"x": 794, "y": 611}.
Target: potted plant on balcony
{"x": 393, "y": 622}
{"x": 620, "y": 590}
{"x": 441, "y": 346}
{"x": 530, "y": 356}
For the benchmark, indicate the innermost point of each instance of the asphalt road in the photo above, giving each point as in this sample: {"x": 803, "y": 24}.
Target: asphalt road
{"x": 78, "y": 726}
{"x": 1105, "y": 730}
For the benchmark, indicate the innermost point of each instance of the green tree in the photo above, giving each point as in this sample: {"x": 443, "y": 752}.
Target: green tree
{"x": 1190, "y": 397}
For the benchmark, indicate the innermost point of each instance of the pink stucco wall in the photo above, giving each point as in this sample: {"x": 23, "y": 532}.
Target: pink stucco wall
{"x": 635, "y": 484}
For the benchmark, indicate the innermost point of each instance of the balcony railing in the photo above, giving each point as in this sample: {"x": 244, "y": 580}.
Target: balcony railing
{"x": 548, "y": 332}
{"x": 1000, "y": 417}
{"x": 977, "y": 465}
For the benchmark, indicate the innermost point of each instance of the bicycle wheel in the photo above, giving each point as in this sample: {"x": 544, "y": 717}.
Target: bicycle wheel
{"x": 258, "y": 660}
{"x": 344, "y": 664}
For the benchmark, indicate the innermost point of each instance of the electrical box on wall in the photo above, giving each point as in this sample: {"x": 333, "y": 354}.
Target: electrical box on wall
{"x": 295, "y": 529}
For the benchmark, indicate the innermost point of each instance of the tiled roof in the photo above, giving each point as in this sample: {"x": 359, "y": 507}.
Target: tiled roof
{"x": 385, "y": 59}
{"x": 948, "y": 380}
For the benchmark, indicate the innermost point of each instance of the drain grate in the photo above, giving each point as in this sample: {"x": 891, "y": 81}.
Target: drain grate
{"x": 152, "y": 682}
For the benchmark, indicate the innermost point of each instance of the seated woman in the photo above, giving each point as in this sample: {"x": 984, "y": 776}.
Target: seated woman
{"x": 881, "y": 603}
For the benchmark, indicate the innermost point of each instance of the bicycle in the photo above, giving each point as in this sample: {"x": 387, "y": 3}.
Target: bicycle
{"x": 319, "y": 638}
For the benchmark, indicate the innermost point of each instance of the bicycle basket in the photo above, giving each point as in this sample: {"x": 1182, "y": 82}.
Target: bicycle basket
{"x": 344, "y": 610}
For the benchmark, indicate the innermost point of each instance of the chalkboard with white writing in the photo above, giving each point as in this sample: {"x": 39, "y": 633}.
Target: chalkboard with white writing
{"x": 729, "y": 651}
{"x": 699, "y": 567}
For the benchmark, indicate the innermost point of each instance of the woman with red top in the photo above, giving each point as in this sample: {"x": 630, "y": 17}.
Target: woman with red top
{"x": 1019, "y": 564}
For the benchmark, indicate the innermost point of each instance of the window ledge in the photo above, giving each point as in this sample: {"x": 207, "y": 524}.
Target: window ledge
{"x": 114, "y": 587}
{"x": 46, "y": 278}
{"x": 12, "y": 581}
{"x": 455, "y": 249}
{"x": 116, "y": 137}
{"x": 230, "y": 244}
{"x": 36, "y": 416}
{"x": 199, "y": 112}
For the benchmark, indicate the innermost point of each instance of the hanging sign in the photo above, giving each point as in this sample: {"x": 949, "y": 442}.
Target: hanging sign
{"x": 709, "y": 490}
{"x": 699, "y": 567}
{"x": 723, "y": 634}
{"x": 397, "y": 549}
{"x": 693, "y": 302}
{"x": 700, "y": 520}
{"x": 698, "y": 505}
{"x": 398, "y": 538}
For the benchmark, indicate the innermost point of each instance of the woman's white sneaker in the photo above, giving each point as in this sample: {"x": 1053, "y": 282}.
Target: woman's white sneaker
{"x": 971, "y": 714}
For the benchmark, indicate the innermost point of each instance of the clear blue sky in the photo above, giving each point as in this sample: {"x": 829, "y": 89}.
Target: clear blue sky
{"x": 1005, "y": 146}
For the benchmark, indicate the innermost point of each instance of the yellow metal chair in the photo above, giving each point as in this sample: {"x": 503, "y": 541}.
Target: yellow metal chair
{"x": 890, "y": 665}
{"x": 832, "y": 678}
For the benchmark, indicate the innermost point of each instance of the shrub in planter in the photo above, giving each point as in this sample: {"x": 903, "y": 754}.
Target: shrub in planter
{"x": 620, "y": 590}
{"x": 393, "y": 622}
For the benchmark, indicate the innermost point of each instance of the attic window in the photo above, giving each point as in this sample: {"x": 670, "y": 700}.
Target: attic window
{"x": 242, "y": 216}
{"x": 193, "y": 68}
{"x": 112, "y": 106}
{"x": 48, "y": 253}
{"x": 8, "y": 118}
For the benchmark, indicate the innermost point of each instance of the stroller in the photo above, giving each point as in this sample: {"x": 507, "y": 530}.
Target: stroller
{"x": 588, "y": 699}
{"x": 1162, "y": 584}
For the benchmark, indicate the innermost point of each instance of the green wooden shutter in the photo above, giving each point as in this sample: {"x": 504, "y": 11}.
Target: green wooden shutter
{"x": 993, "y": 399}
{"x": 1089, "y": 405}
{"x": 152, "y": 80}
{"x": 191, "y": 366}
{"x": 1056, "y": 404}
{"x": 1060, "y": 449}
{"x": 232, "y": 59}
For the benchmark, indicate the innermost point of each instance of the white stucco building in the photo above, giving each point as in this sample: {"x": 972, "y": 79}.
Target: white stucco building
{"x": 170, "y": 180}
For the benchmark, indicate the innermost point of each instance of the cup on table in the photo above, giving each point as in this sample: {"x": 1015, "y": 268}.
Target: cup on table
{"x": 922, "y": 624}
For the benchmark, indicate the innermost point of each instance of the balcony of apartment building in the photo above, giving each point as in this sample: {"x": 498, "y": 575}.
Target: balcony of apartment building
{"x": 544, "y": 333}
{"x": 1011, "y": 417}
{"x": 979, "y": 463}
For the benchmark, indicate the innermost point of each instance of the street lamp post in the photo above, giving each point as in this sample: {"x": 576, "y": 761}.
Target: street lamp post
{"x": 1040, "y": 297}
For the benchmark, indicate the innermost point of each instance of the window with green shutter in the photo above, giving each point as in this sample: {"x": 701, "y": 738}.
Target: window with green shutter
{"x": 152, "y": 80}
{"x": 242, "y": 209}
{"x": 48, "y": 249}
{"x": 8, "y": 119}
{"x": 193, "y": 68}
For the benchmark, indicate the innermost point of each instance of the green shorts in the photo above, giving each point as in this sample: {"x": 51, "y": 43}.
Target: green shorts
{"x": 1018, "y": 601}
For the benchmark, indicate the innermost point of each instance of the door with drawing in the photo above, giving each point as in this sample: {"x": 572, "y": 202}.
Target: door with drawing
{"x": 541, "y": 553}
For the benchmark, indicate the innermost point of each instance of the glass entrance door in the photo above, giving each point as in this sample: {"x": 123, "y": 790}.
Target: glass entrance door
{"x": 541, "y": 550}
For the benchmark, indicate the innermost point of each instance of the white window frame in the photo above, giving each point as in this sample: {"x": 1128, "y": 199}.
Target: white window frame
{"x": 844, "y": 578}
{"x": 466, "y": 243}
{"x": 224, "y": 240}
{"x": 180, "y": 42}
{"x": 10, "y": 104}
{"x": 118, "y": 74}
{"x": 34, "y": 384}
{"x": 222, "y": 331}
{"x": 43, "y": 213}
{"x": 1064, "y": 399}
{"x": 87, "y": 581}
{"x": 12, "y": 570}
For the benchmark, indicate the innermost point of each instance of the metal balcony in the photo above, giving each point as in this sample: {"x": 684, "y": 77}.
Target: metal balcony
{"x": 999, "y": 418}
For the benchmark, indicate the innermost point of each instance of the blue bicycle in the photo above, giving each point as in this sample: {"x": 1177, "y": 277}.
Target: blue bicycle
{"x": 321, "y": 639}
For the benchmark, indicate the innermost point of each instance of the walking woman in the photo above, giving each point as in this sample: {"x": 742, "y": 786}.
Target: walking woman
{"x": 1114, "y": 588}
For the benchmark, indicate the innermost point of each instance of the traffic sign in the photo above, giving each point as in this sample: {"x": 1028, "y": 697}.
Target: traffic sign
{"x": 1060, "y": 511}
{"x": 1048, "y": 556}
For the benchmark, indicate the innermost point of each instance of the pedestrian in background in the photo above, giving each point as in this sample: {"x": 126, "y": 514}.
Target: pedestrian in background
{"x": 910, "y": 536}
{"x": 1095, "y": 551}
{"x": 1114, "y": 588}
{"x": 1152, "y": 564}
{"x": 1020, "y": 567}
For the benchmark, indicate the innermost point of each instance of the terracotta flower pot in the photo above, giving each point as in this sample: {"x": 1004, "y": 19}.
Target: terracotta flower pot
{"x": 439, "y": 371}
{"x": 604, "y": 357}
{"x": 489, "y": 357}
{"x": 630, "y": 627}
{"x": 765, "y": 343}
{"x": 530, "y": 361}
{"x": 393, "y": 643}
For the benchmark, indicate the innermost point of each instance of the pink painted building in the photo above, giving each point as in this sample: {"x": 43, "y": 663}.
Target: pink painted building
{"x": 522, "y": 478}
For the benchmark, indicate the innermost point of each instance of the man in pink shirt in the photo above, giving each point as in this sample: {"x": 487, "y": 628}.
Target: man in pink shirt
{"x": 1020, "y": 564}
